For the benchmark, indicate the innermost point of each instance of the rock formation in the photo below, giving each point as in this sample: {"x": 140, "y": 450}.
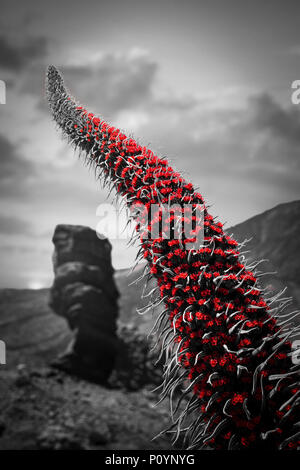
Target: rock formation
{"x": 84, "y": 292}
{"x": 137, "y": 362}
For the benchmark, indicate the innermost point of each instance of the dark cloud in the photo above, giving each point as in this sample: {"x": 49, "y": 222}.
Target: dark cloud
{"x": 14, "y": 57}
{"x": 259, "y": 140}
{"x": 262, "y": 135}
{"x": 176, "y": 103}
{"x": 267, "y": 115}
{"x": 13, "y": 225}
{"x": 15, "y": 172}
{"x": 11, "y": 164}
{"x": 114, "y": 83}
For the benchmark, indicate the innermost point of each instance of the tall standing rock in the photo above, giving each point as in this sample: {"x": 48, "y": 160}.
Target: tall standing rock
{"x": 84, "y": 292}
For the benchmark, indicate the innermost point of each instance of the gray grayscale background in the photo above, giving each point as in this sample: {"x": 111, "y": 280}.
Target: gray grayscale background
{"x": 205, "y": 83}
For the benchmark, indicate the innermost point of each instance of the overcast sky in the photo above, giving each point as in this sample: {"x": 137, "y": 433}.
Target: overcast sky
{"x": 206, "y": 83}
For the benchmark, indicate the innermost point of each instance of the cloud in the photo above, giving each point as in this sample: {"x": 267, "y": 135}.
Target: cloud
{"x": 271, "y": 136}
{"x": 170, "y": 101}
{"x": 14, "y": 171}
{"x": 10, "y": 162}
{"x": 220, "y": 141}
{"x": 114, "y": 82}
{"x": 294, "y": 50}
{"x": 11, "y": 225}
{"x": 260, "y": 133}
{"x": 267, "y": 115}
{"x": 14, "y": 57}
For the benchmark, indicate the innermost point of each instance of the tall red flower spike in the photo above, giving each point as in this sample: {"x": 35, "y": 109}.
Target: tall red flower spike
{"x": 228, "y": 349}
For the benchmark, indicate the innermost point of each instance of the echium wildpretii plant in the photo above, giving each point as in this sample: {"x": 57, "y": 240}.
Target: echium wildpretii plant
{"x": 228, "y": 348}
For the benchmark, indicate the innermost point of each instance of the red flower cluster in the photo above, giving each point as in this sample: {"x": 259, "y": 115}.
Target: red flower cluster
{"x": 222, "y": 337}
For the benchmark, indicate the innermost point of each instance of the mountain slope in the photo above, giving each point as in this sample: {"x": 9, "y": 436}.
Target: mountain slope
{"x": 276, "y": 237}
{"x": 33, "y": 332}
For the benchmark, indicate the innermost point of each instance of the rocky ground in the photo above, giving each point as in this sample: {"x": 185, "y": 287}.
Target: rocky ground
{"x": 42, "y": 408}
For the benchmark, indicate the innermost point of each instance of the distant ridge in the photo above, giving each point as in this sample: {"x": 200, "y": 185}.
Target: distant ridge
{"x": 276, "y": 236}
{"x": 32, "y": 331}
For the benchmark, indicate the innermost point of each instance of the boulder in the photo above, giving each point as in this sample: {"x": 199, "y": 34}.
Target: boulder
{"x": 137, "y": 363}
{"x": 79, "y": 243}
{"x": 85, "y": 294}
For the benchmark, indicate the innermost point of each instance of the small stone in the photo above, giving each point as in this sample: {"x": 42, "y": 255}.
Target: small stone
{"x": 55, "y": 437}
{"x": 99, "y": 437}
{"x": 2, "y": 428}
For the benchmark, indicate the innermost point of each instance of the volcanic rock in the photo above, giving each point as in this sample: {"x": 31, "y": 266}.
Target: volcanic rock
{"x": 85, "y": 294}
